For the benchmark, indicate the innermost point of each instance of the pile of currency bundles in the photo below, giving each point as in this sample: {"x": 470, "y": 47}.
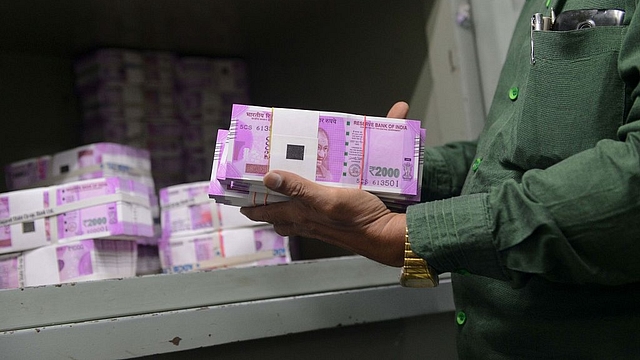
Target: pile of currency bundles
{"x": 381, "y": 155}
{"x": 161, "y": 101}
{"x": 199, "y": 234}
{"x": 205, "y": 89}
{"x": 98, "y": 200}
{"x": 64, "y": 233}
{"x": 127, "y": 97}
{"x": 84, "y": 162}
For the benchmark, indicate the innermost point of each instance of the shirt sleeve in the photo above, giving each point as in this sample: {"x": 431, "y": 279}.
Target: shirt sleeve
{"x": 445, "y": 169}
{"x": 573, "y": 222}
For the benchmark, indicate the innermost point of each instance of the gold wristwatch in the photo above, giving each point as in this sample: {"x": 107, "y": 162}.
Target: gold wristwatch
{"x": 416, "y": 272}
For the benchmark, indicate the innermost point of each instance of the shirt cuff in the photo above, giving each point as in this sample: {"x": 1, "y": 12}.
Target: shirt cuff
{"x": 436, "y": 183}
{"x": 454, "y": 235}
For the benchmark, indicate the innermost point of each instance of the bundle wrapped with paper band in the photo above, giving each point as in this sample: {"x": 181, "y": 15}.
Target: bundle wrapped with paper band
{"x": 199, "y": 234}
{"x": 91, "y": 259}
{"x": 98, "y": 208}
{"x": 82, "y": 163}
{"x": 187, "y": 210}
{"x": 381, "y": 155}
{"x": 248, "y": 246}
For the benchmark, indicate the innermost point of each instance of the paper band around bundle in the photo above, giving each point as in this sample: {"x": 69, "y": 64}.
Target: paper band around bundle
{"x": 77, "y": 205}
{"x": 72, "y": 175}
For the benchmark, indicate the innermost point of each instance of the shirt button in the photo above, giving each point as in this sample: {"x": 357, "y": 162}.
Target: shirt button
{"x": 513, "y": 93}
{"x": 461, "y": 318}
{"x": 476, "y": 164}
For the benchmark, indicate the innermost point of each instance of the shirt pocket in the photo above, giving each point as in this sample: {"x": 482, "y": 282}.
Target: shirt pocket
{"x": 575, "y": 96}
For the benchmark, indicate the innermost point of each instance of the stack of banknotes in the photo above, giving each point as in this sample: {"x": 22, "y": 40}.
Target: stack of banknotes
{"x": 187, "y": 210}
{"x": 248, "y": 246}
{"x": 81, "y": 230}
{"x": 199, "y": 234}
{"x": 98, "y": 208}
{"x": 102, "y": 159}
{"x": 92, "y": 259}
{"x": 381, "y": 155}
{"x": 85, "y": 162}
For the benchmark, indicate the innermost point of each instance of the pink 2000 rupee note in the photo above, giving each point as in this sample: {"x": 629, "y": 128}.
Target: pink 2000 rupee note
{"x": 371, "y": 153}
{"x": 75, "y": 260}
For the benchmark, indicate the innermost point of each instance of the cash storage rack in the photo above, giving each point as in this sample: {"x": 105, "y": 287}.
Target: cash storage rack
{"x": 307, "y": 54}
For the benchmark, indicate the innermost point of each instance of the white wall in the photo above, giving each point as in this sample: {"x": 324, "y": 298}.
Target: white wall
{"x": 459, "y": 76}
{"x": 494, "y": 21}
{"x": 450, "y": 81}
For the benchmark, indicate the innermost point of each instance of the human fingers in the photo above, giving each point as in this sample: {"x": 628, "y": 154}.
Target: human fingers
{"x": 290, "y": 184}
{"x": 353, "y": 219}
{"x": 399, "y": 110}
{"x": 304, "y": 194}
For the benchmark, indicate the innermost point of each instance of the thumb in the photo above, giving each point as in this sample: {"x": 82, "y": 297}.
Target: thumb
{"x": 288, "y": 183}
{"x": 399, "y": 110}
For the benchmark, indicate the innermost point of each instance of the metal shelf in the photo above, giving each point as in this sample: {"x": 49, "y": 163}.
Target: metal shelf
{"x": 164, "y": 313}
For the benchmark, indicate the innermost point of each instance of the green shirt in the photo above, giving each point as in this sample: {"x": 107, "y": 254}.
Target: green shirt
{"x": 539, "y": 220}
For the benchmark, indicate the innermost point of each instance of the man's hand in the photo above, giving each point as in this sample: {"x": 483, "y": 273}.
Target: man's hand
{"x": 353, "y": 219}
{"x": 350, "y": 218}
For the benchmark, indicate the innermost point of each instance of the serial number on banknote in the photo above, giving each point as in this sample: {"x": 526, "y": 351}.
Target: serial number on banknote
{"x": 386, "y": 183}
{"x": 258, "y": 128}
{"x": 381, "y": 171}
